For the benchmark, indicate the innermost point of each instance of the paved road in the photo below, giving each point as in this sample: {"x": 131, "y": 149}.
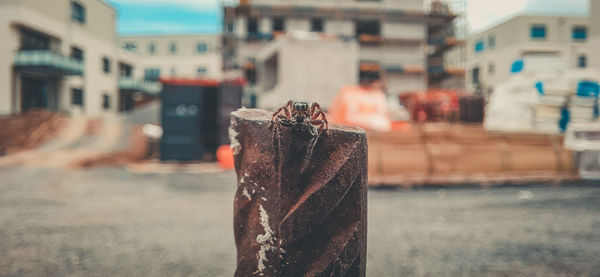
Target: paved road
{"x": 108, "y": 222}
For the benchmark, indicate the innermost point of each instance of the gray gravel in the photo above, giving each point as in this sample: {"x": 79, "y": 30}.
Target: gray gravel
{"x": 108, "y": 222}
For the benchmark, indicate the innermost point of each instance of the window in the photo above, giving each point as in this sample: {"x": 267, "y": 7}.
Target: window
{"x": 77, "y": 97}
{"x": 125, "y": 70}
{"x": 201, "y": 48}
{"x": 173, "y": 48}
{"x": 106, "y": 101}
{"x": 151, "y": 48}
{"x": 201, "y": 71}
{"x": 492, "y": 41}
{"x": 106, "y": 65}
{"x": 278, "y": 24}
{"x": 479, "y": 46}
{"x": 77, "y": 53}
{"x": 250, "y": 72}
{"x": 130, "y": 46}
{"x": 316, "y": 25}
{"x": 152, "y": 74}
{"x": 77, "y": 12}
{"x": 368, "y": 31}
{"x": 367, "y": 27}
{"x": 582, "y": 61}
{"x": 579, "y": 33}
{"x": 31, "y": 40}
{"x": 475, "y": 75}
{"x": 538, "y": 31}
{"x": 252, "y": 29}
{"x": 491, "y": 68}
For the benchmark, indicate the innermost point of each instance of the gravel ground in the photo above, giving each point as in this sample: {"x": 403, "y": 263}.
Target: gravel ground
{"x": 108, "y": 222}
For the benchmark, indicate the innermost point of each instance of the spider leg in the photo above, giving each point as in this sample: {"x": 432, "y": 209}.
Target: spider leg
{"x": 320, "y": 123}
{"x": 315, "y": 107}
{"x": 288, "y": 109}
{"x": 277, "y": 114}
{"x": 285, "y": 108}
{"x": 320, "y": 113}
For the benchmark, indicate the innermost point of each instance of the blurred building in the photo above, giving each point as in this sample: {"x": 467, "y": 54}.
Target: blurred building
{"x": 400, "y": 40}
{"x": 594, "y": 41}
{"x": 62, "y": 55}
{"x": 176, "y": 56}
{"x": 547, "y": 42}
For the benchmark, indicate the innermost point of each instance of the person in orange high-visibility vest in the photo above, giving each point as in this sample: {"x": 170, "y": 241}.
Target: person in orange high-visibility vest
{"x": 364, "y": 105}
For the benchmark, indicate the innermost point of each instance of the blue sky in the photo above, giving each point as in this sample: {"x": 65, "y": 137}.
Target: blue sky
{"x": 167, "y": 16}
{"x": 204, "y": 16}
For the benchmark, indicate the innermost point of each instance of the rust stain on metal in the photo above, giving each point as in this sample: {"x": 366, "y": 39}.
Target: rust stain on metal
{"x": 300, "y": 207}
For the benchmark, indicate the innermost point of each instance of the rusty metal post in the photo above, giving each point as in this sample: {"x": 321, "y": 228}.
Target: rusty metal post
{"x": 301, "y": 204}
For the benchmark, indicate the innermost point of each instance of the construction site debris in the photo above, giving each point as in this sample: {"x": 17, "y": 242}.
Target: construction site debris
{"x": 432, "y": 105}
{"x": 26, "y": 131}
{"x": 361, "y": 106}
{"x": 453, "y": 153}
{"x": 544, "y": 102}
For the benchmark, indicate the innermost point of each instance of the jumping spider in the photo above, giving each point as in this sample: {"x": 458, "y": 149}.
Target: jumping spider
{"x": 300, "y": 112}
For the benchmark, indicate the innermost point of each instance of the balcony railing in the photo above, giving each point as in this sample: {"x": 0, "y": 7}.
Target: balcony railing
{"x": 57, "y": 63}
{"x": 149, "y": 87}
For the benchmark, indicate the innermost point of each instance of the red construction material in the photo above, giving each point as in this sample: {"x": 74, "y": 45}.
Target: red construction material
{"x": 432, "y": 105}
{"x": 225, "y": 157}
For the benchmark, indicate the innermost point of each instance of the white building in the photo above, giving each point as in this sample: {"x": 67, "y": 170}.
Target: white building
{"x": 547, "y": 41}
{"x": 594, "y": 40}
{"x": 393, "y": 37}
{"x": 176, "y": 56}
{"x": 62, "y": 55}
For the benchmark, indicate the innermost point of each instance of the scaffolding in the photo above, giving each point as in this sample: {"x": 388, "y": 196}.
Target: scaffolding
{"x": 446, "y": 35}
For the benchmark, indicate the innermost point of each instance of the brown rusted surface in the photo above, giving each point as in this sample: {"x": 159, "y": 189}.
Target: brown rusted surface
{"x": 301, "y": 204}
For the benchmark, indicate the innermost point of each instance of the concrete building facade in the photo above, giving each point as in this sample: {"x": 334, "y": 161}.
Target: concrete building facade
{"x": 594, "y": 41}
{"x": 50, "y": 51}
{"x": 62, "y": 55}
{"x": 392, "y": 36}
{"x": 548, "y": 41}
{"x": 176, "y": 56}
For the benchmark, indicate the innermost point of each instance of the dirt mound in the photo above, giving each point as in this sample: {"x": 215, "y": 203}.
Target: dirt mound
{"x": 26, "y": 131}
{"x": 136, "y": 152}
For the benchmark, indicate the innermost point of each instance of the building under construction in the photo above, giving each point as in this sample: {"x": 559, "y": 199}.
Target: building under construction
{"x": 403, "y": 43}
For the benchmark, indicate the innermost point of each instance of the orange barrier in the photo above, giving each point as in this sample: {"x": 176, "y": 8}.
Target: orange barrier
{"x": 360, "y": 106}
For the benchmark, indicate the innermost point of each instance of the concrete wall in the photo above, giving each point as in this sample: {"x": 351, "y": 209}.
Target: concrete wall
{"x": 7, "y": 50}
{"x": 339, "y": 27}
{"x": 305, "y": 71}
{"x": 394, "y": 54}
{"x": 399, "y": 30}
{"x": 297, "y": 24}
